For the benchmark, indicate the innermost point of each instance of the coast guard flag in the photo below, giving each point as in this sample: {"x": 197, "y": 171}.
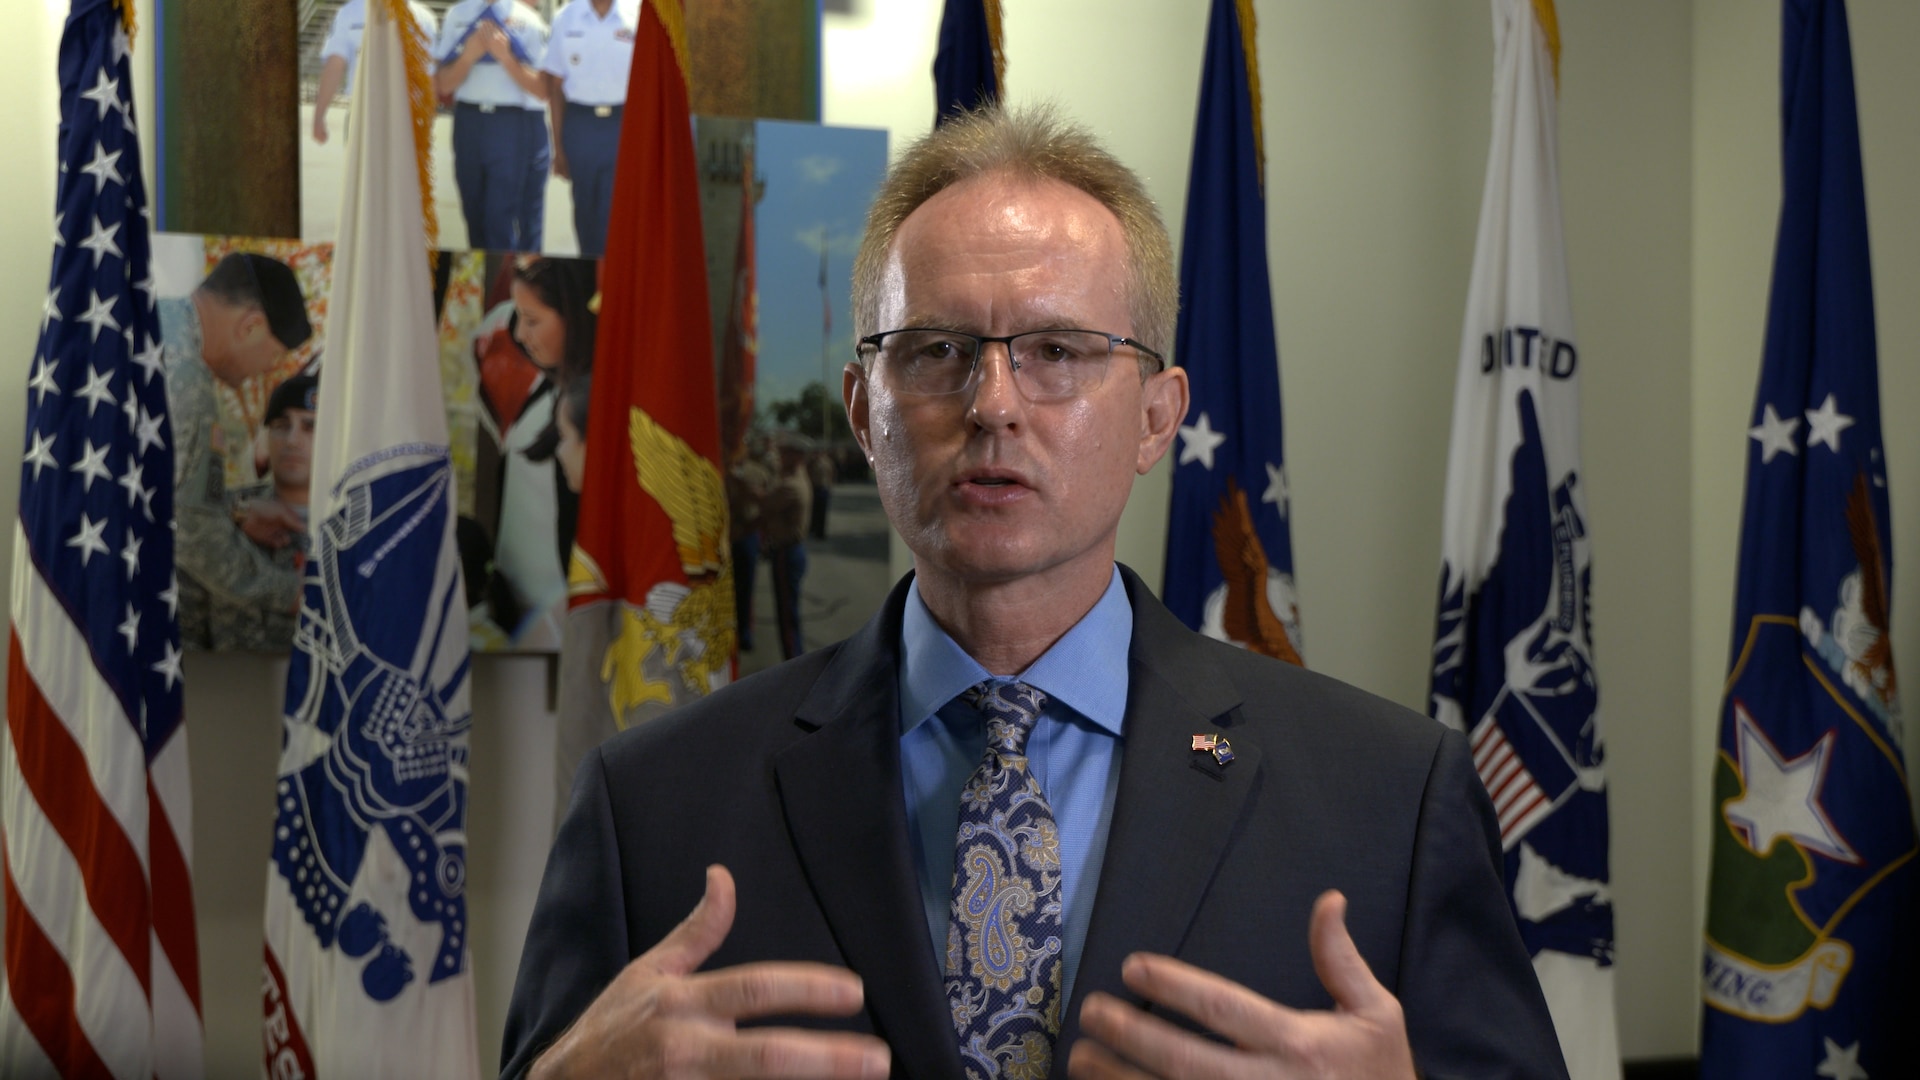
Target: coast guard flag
{"x": 102, "y": 968}
{"x": 969, "y": 67}
{"x": 650, "y": 620}
{"x": 1810, "y": 961}
{"x": 1229, "y": 551}
{"x": 367, "y": 972}
{"x": 1513, "y": 652}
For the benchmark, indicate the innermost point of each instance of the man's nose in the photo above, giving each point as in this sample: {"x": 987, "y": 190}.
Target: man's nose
{"x": 997, "y": 401}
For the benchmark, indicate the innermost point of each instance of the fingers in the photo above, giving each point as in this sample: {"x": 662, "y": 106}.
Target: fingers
{"x": 770, "y": 989}
{"x": 1150, "y": 1043}
{"x": 787, "y": 1052}
{"x": 1342, "y": 970}
{"x": 699, "y": 934}
{"x": 1212, "y": 1001}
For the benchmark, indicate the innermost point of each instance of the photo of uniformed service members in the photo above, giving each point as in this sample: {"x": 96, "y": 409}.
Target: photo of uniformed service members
{"x": 239, "y": 548}
{"x": 588, "y": 56}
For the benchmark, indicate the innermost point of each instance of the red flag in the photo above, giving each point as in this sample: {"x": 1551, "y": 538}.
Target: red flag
{"x": 650, "y": 620}
{"x": 740, "y": 358}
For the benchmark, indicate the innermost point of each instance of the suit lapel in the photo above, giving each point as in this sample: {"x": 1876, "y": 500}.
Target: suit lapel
{"x": 1175, "y": 808}
{"x": 840, "y": 788}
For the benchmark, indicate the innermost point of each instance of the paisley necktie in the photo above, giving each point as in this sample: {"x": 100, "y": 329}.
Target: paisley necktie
{"x": 1003, "y": 931}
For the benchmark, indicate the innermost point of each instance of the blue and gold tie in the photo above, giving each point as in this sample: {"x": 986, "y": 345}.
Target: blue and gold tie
{"x": 1003, "y": 932}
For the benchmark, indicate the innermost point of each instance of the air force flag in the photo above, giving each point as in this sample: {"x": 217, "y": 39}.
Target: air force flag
{"x": 1811, "y": 950}
{"x": 366, "y": 960}
{"x": 1513, "y": 655}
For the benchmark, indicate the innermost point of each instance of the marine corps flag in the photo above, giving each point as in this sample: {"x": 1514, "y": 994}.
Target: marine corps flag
{"x": 1810, "y": 955}
{"x": 367, "y": 972}
{"x": 1229, "y": 551}
{"x": 1513, "y": 652}
{"x": 650, "y": 620}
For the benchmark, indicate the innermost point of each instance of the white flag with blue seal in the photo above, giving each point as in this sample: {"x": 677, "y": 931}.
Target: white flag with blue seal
{"x": 367, "y": 966}
{"x": 1513, "y": 652}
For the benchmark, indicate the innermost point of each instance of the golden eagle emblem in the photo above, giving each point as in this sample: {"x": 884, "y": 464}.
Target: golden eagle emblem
{"x": 689, "y": 627}
{"x": 1247, "y": 615}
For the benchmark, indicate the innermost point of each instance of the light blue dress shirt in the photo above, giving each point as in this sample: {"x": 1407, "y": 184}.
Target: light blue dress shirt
{"x": 350, "y": 25}
{"x": 1073, "y": 752}
{"x": 487, "y": 83}
{"x": 590, "y": 53}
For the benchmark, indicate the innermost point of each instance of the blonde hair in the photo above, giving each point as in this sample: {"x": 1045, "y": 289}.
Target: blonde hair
{"x": 1031, "y": 143}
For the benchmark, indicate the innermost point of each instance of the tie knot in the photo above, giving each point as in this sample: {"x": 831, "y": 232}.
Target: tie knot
{"x": 1011, "y": 709}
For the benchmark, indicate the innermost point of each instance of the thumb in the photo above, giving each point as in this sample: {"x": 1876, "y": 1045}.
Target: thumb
{"x": 688, "y": 945}
{"x": 1342, "y": 970}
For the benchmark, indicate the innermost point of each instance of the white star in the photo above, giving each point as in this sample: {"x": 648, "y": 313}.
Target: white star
{"x": 88, "y": 538}
{"x": 1199, "y": 441}
{"x": 1276, "y": 488}
{"x": 99, "y": 389}
{"x": 100, "y": 241}
{"x": 121, "y": 46}
{"x": 59, "y": 234}
{"x": 1841, "y": 1064}
{"x": 40, "y": 454}
{"x": 148, "y": 361}
{"x": 1774, "y": 435}
{"x": 169, "y": 664}
{"x": 130, "y": 628}
{"x": 148, "y": 430}
{"x": 105, "y": 93}
{"x": 171, "y": 594}
{"x": 99, "y": 313}
{"x": 43, "y": 381}
{"x": 51, "y": 309}
{"x": 1782, "y": 798}
{"x": 92, "y": 463}
{"x": 1825, "y": 424}
{"x": 131, "y": 556}
{"x": 130, "y": 480}
{"x": 103, "y": 168}
{"x": 130, "y": 408}
{"x": 145, "y": 285}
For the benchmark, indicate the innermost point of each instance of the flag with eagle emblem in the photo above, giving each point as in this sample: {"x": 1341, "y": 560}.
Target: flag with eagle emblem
{"x": 1811, "y": 934}
{"x": 1513, "y": 651}
{"x": 650, "y": 621}
{"x": 1229, "y": 552}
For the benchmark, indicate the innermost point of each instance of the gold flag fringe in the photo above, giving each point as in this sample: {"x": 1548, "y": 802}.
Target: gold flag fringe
{"x": 420, "y": 96}
{"x": 995, "y": 41}
{"x": 1550, "y": 26}
{"x": 1252, "y": 50}
{"x": 673, "y": 20}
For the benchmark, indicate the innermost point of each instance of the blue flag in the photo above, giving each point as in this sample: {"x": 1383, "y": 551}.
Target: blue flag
{"x": 1810, "y": 951}
{"x": 1229, "y": 554}
{"x": 968, "y": 66}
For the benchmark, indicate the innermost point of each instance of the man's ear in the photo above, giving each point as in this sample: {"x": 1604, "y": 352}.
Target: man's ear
{"x": 1163, "y": 404}
{"x": 854, "y": 392}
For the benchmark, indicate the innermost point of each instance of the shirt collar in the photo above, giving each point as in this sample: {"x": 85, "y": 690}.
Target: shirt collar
{"x": 1086, "y": 670}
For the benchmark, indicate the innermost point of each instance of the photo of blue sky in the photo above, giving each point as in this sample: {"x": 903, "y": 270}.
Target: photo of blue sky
{"x": 819, "y": 181}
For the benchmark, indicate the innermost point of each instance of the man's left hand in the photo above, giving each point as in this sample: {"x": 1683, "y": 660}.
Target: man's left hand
{"x": 1364, "y": 1035}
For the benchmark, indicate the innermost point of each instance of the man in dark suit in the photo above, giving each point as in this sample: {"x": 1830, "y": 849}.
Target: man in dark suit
{"x": 1024, "y": 823}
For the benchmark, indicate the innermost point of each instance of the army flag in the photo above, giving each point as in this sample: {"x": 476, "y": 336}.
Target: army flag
{"x": 650, "y": 620}
{"x": 1513, "y": 651}
{"x": 367, "y": 970}
{"x": 1229, "y": 550}
{"x": 102, "y": 965}
{"x": 1810, "y": 953}
{"x": 969, "y": 66}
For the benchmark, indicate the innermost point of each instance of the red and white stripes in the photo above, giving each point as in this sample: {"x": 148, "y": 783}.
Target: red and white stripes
{"x": 102, "y": 969}
{"x": 1517, "y": 799}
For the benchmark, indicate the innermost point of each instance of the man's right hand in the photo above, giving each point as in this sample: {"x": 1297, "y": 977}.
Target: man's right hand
{"x": 560, "y": 167}
{"x": 270, "y": 523}
{"x": 320, "y": 126}
{"x": 481, "y": 41}
{"x": 659, "y": 1018}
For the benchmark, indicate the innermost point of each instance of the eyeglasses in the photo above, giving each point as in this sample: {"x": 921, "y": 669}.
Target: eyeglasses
{"x": 1047, "y": 364}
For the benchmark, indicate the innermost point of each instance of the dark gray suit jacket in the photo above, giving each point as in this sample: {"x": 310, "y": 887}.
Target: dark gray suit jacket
{"x": 791, "y": 778}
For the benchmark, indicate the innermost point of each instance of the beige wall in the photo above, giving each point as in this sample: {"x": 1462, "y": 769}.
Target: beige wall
{"x": 1376, "y": 124}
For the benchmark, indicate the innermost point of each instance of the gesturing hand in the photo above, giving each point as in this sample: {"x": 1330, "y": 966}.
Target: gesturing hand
{"x": 1363, "y": 1036}
{"x": 659, "y": 1019}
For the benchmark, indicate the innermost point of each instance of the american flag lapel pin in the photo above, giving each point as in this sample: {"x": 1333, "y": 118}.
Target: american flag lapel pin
{"x": 1217, "y": 745}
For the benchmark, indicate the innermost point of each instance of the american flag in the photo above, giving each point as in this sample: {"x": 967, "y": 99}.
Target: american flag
{"x": 101, "y": 961}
